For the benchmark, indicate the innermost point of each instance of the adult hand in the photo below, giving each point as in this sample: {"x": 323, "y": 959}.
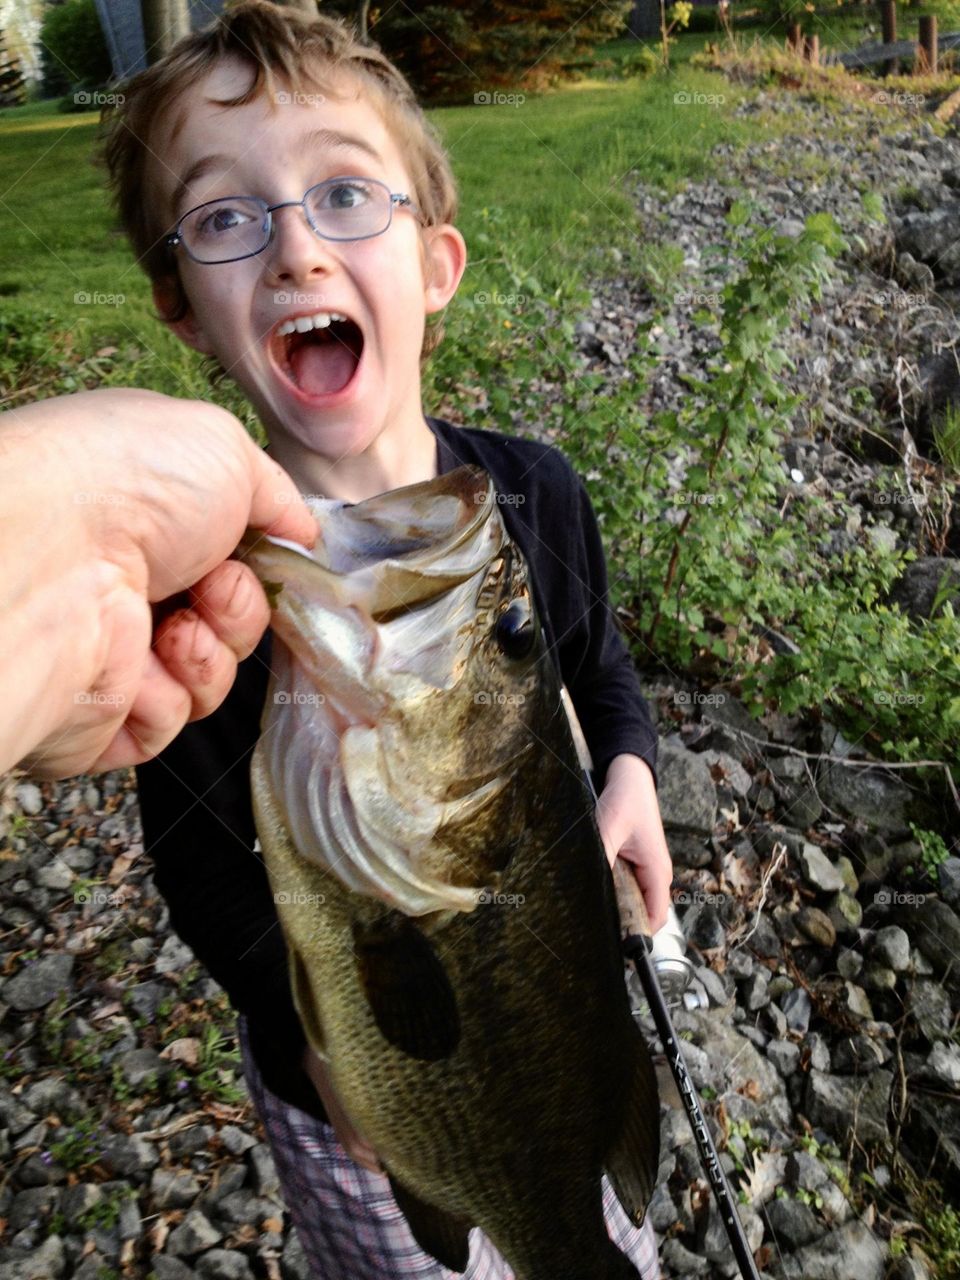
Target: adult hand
{"x": 114, "y": 501}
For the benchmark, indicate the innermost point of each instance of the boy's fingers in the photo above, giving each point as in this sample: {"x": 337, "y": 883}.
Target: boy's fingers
{"x": 655, "y": 885}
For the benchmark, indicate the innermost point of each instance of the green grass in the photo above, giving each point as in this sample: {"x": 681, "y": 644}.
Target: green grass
{"x": 555, "y": 166}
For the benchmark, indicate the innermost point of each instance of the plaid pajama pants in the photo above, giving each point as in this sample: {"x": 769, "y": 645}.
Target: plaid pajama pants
{"x": 348, "y": 1221}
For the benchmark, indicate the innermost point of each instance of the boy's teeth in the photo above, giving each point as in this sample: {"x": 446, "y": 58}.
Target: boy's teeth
{"x": 303, "y": 324}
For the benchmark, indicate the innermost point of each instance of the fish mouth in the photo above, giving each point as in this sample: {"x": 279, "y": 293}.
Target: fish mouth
{"x": 318, "y": 352}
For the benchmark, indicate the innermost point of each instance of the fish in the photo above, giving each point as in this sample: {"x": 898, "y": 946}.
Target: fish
{"x": 445, "y": 898}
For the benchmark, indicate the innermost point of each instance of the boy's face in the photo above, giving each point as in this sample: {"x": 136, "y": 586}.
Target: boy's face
{"x": 386, "y": 284}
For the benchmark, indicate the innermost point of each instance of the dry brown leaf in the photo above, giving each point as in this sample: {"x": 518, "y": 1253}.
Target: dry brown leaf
{"x": 185, "y": 1050}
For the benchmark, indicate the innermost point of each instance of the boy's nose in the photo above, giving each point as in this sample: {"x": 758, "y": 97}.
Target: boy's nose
{"x": 295, "y": 250}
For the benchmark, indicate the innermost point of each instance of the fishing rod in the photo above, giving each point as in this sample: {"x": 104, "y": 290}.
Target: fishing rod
{"x": 637, "y": 942}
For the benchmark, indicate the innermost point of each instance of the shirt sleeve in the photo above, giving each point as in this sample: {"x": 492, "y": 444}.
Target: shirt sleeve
{"x": 596, "y": 665}
{"x": 198, "y": 828}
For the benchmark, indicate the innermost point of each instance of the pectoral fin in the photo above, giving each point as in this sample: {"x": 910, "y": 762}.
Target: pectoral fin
{"x": 632, "y": 1161}
{"x": 407, "y": 988}
{"x": 436, "y": 1232}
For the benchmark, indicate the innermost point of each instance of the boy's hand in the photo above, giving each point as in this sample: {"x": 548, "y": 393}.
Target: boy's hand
{"x": 629, "y": 820}
{"x": 115, "y": 500}
{"x": 357, "y": 1148}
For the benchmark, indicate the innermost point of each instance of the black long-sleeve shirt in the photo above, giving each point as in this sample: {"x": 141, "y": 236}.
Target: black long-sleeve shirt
{"x": 195, "y": 797}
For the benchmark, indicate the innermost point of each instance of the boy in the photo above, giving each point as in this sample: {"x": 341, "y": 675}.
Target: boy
{"x": 295, "y": 213}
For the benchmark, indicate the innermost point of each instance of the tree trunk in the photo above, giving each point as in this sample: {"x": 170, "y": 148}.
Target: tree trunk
{"x": 363, "y": 20}
{"x": 164, "y": 23}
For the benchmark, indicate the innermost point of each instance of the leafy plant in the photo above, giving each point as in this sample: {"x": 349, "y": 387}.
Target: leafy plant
{"x": 933, "y": 850}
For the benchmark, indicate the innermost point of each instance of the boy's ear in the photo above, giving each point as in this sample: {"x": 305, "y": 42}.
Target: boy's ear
{"x": 445, "y": 259}
{"x": 167, "y": 296}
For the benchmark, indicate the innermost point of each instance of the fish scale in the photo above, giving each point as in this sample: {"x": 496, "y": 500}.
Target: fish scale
{"x": 488, "y": 1055}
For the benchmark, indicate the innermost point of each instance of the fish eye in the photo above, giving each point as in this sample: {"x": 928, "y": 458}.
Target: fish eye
{"x": 514, "y": 631}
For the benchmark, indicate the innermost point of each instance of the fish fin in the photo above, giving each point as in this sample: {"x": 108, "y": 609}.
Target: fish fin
{"x": 437, "y": 1232}
{"x": 407, "y": 988}
{"x": 632, "y": 1161}
{"x": 304, "y": 1003}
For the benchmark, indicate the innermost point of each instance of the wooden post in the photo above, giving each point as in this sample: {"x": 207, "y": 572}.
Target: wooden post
{"x": 811, "y": 49}
{"x": 888, "y": 20}
{"x": 926, "y": 62}
{"x": 795, "y": 39}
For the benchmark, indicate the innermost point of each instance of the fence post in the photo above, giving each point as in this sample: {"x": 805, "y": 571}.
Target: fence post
{"x": 795, "y": 39}
{"x": 888, "y": 20}
{"x": 811, "y": 49}
{"x": 926, "y": 60}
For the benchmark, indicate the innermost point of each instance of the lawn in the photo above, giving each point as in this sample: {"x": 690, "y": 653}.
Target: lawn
{"x": 551, "y": 169}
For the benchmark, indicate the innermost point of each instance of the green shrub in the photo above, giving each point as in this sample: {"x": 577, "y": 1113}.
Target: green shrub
{"x": 73, "y": 49}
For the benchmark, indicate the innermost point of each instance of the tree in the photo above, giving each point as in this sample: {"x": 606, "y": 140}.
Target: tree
{"x": 164, "y": 23}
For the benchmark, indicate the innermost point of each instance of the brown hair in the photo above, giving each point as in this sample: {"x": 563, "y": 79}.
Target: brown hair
{"x": 277, "y": 44}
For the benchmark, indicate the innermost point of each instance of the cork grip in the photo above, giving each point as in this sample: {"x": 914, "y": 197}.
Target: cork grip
{"x": 633, "y": 911}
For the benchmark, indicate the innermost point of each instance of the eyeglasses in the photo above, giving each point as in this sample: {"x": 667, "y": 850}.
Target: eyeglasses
{"x": 236, "y": 227}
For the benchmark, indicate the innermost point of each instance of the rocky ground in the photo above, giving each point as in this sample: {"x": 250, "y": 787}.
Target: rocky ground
{"x": 822, "y": 1027}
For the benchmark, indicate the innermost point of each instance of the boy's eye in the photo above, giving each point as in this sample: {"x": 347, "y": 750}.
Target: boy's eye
{"x": 216, "y": 219}
{"x": 346, "y": 195}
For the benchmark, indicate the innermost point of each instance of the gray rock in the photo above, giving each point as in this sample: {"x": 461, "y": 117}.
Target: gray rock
{"x": 663, "y": 1212}
{"x": 55, "y": 875}
{"x": 852, "y": 1252}
{"x": 856, "y": 1002}
{"x": 293, "y": 1263}
{"x": 818, "y": 870}
{"x": 938, "y": 937}
{"x": 236, "y": 1140}
{"x": 849, "y": 964}
{"x": 797, "y": 1009}
{"x": 929, "y": 1004}
{"x": 682, "y": 1262}
{"x": 194, "y": 1234}
{"x": 52, "y": 1096}
{"x": 686, "y": 791}
{"x": 792, "y": 1222}
{"x": 817, "y": 926}
{"x": 838, "y": 1103}
{"x": 48, "y": 1262}
{"x": 804, "y": 1171}
{"x": 784, "y": 1055}
{"x": 173, "y": 1189}
{"x": 39, "y": 1172}
{"x": 33, "y": 1207}
{"x": 734, "y": 1062}
{"x": 916, "y": 590}
{"x": 713, "y": 985}
{"x": 144, "y": 998}
{"x": 263, "y": 1173}
{"x": 879, "y": 800}
{"x": 707, "y": 931}
{"x": 846, "y": 914}
{"x": 943, "y": 1064}
{"x": 130, "y": 1156}
{"x": 174, "y": 956}
{"x": 891, "y": 947}
{"x": 224, "y": 1264}
{"x": 39, "y": 982}
{"x": 166, "y": 1267}
{"x": 878, "y": 980}
{"x": 141, "y": 1066}
{"x": 755, "y": 993}
{"x": 949, "y": 881}
{"x": 847, "y": 871}
{"x": 856, "y": 1055}
{"x": 29, "y": 798}
{"x": 735, "y": 776}
{"x": 716, "y": 1242}
{"x": 819, "y": 1052}
{"x": 189, "y": 1141}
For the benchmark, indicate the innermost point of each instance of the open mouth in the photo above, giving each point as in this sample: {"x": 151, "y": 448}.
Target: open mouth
{"x": 320, "y": 354}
